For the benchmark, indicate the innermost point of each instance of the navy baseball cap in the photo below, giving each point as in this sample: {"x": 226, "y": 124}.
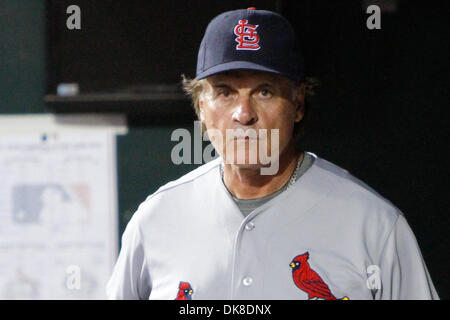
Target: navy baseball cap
{"x": 250, "y": 39}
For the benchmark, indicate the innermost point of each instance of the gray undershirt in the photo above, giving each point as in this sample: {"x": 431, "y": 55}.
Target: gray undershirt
{"x": 248, "y": 205}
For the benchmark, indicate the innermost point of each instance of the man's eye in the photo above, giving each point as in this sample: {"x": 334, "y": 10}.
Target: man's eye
{"x": 265, "y": 93}
{"x": 225, "y": 93}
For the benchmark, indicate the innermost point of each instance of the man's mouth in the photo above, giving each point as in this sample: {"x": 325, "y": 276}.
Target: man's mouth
{"x": 246, "y": 138}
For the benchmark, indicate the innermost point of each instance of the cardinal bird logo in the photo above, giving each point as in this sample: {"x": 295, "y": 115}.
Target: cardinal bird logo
{"x": 309, "y": 281}
{"x": 185, "y": 291}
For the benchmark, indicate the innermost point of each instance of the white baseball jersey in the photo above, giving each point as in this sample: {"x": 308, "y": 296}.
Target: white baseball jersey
{"x": 329, "y": 236}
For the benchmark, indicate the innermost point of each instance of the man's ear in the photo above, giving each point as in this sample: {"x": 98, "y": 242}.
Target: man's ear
{"x": 299, "y": 101}
{"x": 200, "y": 109}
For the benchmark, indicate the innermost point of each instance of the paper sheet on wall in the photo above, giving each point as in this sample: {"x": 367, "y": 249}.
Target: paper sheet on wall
{"x": 58, "y": 214}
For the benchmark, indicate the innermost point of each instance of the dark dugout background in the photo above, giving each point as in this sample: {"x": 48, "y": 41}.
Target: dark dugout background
{"x": 380, "y": 111}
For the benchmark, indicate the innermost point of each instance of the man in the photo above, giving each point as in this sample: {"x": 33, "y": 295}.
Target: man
{"x": 273, "y": 222}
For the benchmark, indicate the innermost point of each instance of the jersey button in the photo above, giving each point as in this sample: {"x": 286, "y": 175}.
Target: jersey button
{"x": 247, "y": 281}
{"x": 249, "y": 226}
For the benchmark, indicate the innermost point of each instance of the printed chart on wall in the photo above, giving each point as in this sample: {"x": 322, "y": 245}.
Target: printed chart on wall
{"x": 58, "y": 214}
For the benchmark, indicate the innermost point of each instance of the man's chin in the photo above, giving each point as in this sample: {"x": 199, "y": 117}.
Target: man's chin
{"x": 248, "y": 166}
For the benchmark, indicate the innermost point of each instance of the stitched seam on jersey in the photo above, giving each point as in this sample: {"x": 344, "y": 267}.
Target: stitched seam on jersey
{"x": 324, "y": 197}
{"x": 350, "y": 178}
{"x": 181, "y": 183}
{"x": 382, "y": 251}
{"x": 385, "y": 241}
{"x": 316, "y": 203}
{"x": 146, "y": 261}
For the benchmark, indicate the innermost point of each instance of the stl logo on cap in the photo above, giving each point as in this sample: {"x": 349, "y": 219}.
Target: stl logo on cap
{"x": 247, "y": 37}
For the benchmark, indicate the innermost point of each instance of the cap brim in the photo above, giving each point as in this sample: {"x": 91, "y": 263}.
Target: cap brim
{"x": 240, "y": 65}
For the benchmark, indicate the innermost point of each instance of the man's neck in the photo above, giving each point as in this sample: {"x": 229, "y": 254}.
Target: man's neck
{"x": 248, "y": 183}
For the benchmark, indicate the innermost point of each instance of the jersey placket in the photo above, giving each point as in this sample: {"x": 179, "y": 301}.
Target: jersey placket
{"x": 247, "y": 267}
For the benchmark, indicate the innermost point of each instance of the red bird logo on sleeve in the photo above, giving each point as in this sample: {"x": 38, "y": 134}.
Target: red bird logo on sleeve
{"x": 185, "y": 291}
{"x": 308, "y": 280}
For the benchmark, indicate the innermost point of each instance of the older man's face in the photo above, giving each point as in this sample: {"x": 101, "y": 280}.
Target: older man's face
{"x": 247, "y": 100}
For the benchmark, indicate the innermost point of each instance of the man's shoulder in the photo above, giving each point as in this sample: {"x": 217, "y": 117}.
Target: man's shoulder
{"x": 191, "y": 176}
{"x": 180, "y": 186}
{"x": 342, "y": 175}
{"x": 350, "y": 188}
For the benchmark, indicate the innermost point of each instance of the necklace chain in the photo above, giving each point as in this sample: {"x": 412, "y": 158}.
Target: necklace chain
{"x": 294, "y": 175}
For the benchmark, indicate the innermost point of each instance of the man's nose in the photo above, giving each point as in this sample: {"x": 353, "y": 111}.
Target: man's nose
{"x": 244, "y": 112}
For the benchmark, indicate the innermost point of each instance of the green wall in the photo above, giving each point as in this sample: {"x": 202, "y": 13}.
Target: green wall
{"x": 22, "y": 56}
{"x": 143, "y": 154}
